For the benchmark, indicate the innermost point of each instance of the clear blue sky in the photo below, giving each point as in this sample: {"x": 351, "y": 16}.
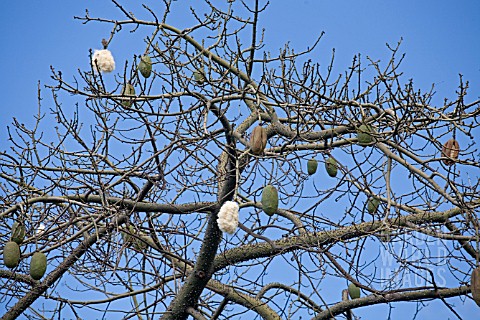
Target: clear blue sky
{"x": 440, "y": 38}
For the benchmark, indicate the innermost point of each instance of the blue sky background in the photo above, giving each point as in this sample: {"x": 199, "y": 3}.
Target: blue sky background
{"x": 440, "y": 38}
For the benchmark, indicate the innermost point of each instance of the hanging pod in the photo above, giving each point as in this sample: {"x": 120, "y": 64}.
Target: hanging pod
{"x": 18, "y": 232}
{"x": 199, "y": 76}
{"x": 258, "y": 140}
{"x": 331, "y": 166}
{"x": 475, "y": 285}
{"x": 450, "y": 151}
{"x": 38, "y": 265}
{"x": 353, "y": 291}
{"x": 270, "y": 200}
{"x": 312, "y": 165}
{"x": 128, "y": 90}
{"x": 145, "y": 66}
{"x": 372, "y": 205}
{"x": 364, "y": 135}
{"x": 11, "y": 254}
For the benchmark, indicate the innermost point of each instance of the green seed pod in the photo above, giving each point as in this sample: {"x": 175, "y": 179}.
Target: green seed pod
{"x": 18, "y": 232}
{"x": 199, "y": 76}
{"x": 364, "y": 135}
{"x": 270, "y": 200}
{"x": 11, "y": 254}
{"x": 145, "y": 66}
{"x": 312, "y": 165}
{"x": 353, "y": 291}
{"x": 475, "y": 285}
{"x": 38, "y": 265}
{"x": 331, "y": 166}
{"x": 128, "y": 90}
{"x": 372, "y": 205}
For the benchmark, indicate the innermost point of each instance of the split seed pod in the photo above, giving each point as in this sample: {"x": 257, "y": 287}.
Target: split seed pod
{"x": 258, "y": 140}
{"x": 450, "y": 150}
{"x": 475, "y": 285}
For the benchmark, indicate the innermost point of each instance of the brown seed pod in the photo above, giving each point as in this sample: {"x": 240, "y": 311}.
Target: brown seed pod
{"x": 450, "y": 150}
{"x": 475, "y": 285}
{"x": 258, "y": 140}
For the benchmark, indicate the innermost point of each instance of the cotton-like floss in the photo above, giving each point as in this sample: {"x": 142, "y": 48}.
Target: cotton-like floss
{"x": 228, "y": 217}
{"x": 103, "y": 59}
{"x": 40, "y": 229}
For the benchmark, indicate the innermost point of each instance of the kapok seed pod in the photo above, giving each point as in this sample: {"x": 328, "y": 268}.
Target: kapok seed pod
{"x": 372, "y": 205}
{"x": 331, "y": 166}
{"x": 145, "y": 66}
{"x": 312, "y": 165}
{"x": 270, "y": 200}
{"x": 450, "y": 151}
{"x": 38, "y": 265}
{"x": 18, "y": 232}
{"x": 11, "y": 254}
{"x": 353, "y": 291}
{"x": 364, "y": 135}
{"x": 199, "y": 76}
{"x": 258, "y": 140}
{"x": 128, "y": 90}
{"x": 475, "y": 285}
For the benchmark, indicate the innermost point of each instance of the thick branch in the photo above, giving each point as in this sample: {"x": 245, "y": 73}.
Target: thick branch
{"x": 404, "y": 296}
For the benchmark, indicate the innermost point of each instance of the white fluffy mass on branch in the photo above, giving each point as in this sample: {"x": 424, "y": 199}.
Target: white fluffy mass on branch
{"x": 228, "y": 217}
{"x": 104, "y": 60}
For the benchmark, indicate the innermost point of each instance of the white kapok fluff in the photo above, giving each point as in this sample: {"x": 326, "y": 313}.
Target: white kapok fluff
{"x": 104, "y": 60}
{"x": 228, "y": 217}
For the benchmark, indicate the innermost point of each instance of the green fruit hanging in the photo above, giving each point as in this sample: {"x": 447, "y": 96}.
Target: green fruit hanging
{"x": 312, "y": 165}
{"x": 475, "y": 285}
{"x": 199, "y": 76}
{"x": 145, "y": 66}
{"x": 270, "y": 200}
{"x": 11, "y": 254}
{"x": 331, "y": 166}
{"x": 38, "y": 265}
{"x": 372, "y": 205}
{"x": 128, "y": 90}
{"x": 364, "y": 135}
{"x": 18, "y": 232}
{"x": 353, "y": 291}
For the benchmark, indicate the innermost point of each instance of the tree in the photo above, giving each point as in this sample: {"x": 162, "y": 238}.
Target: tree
{"x": 123, "y": 194}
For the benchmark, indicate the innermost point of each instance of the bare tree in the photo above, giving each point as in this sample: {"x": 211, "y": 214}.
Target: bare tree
{"x": 122, "y": 193}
